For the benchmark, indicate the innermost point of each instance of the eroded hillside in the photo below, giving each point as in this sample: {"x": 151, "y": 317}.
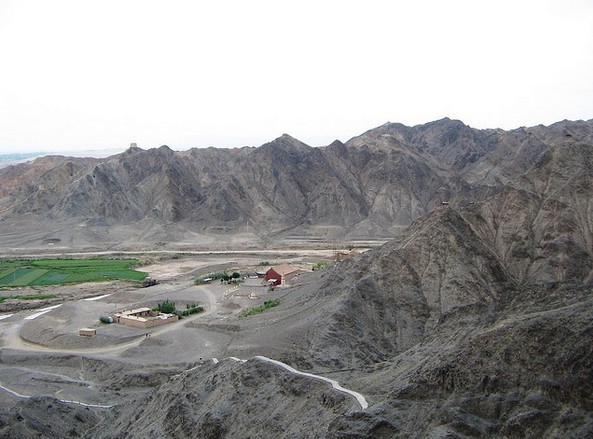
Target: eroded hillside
{"x": 374, "y": 185}
{"x": 475, "y": 321}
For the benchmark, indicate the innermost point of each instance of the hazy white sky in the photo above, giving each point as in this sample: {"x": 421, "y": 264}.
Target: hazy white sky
{"x": 79, "y": 74}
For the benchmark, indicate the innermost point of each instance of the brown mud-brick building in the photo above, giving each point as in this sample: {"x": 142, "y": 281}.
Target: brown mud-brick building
{"x": 281, "y": 274}
{"x": 144, "y": 318}
{"x": 87, "y": 332}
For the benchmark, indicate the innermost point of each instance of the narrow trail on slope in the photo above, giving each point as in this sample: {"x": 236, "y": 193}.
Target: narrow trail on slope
{"x": 359, "y": 397}
{"x": 14, "y": 341}
{"x": 66, "y": 401}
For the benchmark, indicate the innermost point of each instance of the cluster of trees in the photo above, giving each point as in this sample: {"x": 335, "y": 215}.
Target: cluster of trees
{"x": 222, "y": 275}
{"x": 168, "y": 307}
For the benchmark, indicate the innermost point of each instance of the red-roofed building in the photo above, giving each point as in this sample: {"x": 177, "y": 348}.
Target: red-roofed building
{"x": 281, "y": 274}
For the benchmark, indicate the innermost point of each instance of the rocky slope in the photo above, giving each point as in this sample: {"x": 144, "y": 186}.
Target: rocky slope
{"x": 36, "y": 418}
{"x": 474, "y": 322}
{"x": 231, "y": 399}
{"x": 373, "y": 185}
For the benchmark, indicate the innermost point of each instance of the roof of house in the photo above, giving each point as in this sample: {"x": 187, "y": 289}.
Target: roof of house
{"x": 284, "y": 269}
{"x": 132, "y": 312}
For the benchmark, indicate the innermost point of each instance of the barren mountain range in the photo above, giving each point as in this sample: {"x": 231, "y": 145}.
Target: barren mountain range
{"x": 371, "y": 186}
{"x": 473, "y": 320}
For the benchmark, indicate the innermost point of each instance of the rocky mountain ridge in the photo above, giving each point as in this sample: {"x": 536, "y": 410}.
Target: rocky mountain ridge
{"x": 373, "y": 185}
{"x": 474, "y": 321}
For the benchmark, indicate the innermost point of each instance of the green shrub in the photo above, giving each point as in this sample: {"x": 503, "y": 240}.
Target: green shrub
{"x": 190, "y": 309}
{"x": 222, "y": 275}
{"x": 320, "y": 265}
{"x": 166, "y": 307}
{"x": 259, "y": 309}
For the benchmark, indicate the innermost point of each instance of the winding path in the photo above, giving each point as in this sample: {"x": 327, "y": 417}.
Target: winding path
{"x": 67, "y": 401}
{"x": 359, "y": 398}
{"x": 13, "y": 340}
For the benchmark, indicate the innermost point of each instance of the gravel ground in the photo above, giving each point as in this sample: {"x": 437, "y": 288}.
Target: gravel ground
{"x": 45, "y": 356}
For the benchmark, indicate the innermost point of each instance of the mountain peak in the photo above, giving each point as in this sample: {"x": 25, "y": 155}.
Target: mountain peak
{"x": 133, "y": 149}
{"x": 286, "y": 141}
{"x": 444, "y": 122}
{"x": 165, "y": 149}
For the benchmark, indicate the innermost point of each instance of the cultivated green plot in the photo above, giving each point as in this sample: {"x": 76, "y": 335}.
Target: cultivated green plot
{"x": 6, "y": 274}
{"x": 66, "y": 271}
{"x": 52, "y": 278}
{"x": 24, "y": 276}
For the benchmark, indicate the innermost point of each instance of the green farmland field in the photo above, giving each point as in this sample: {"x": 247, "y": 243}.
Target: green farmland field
{"x": 42, "y": 272}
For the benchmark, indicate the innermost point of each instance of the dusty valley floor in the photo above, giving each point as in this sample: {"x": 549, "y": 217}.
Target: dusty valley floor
{"x": 42, "y": 354}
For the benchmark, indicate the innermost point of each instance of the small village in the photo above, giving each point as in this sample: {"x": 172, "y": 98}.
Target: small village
{"x": 245, "y": 288}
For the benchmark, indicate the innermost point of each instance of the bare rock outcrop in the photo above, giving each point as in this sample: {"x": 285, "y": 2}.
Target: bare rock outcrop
{"x": 475, "y": 321}
{"x": 376, "y": 184}
{"x": 232, "y": 399}
{"x": 40, "y": 417}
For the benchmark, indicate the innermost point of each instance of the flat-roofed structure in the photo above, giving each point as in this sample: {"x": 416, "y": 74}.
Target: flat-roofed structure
{"x": 87, "y": 332}
{"x": 143, "y": 318}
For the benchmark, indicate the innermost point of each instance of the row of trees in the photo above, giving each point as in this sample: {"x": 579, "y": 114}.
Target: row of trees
{"x": 222, "y": 275}
{"x": 168, "y": 307}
